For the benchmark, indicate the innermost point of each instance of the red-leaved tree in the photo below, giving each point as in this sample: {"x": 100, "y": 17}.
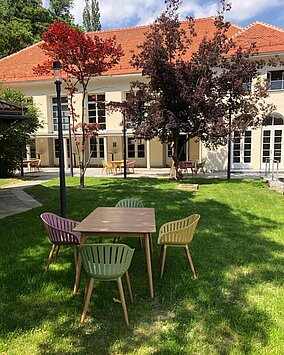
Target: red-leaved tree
{"x": 82, "y": 57}
{"x": 200, "y": 94}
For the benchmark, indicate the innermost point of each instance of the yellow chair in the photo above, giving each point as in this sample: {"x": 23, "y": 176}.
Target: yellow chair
{"x": 107, "y": 167}
{"x": 178, "y": 233}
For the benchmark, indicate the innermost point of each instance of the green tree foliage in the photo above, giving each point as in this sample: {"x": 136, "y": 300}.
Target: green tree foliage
{"x": 91, "y": 16}
{"x": 23, "y": 21}
{"x": 14, "y": 138}
{"x": 61, "y": 9}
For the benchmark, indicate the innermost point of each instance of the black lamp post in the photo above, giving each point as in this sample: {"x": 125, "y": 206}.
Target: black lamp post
{"x": 124, "y": 145}
{"x": 57, "y": 82}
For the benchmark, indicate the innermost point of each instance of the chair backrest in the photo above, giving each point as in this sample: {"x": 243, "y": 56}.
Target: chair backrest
{"x": 131, "y": 164}
{"x": 59, "y": 229}
{"x": 130, "y": 203}
{"x": 201, "y": 164}
{"x": 179, "y": 232}
{"x": 106, "y": 261}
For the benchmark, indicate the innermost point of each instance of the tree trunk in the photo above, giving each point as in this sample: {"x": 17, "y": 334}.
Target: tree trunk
{"x": 175, "y": 166}
{"x": 82, "y": 175}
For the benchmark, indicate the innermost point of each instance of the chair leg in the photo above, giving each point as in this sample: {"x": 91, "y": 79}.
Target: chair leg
{"x": 49, "y": 257}
{"x": 75, "y": 255}
{"x": 129, "y": 286}
{"x": 163, "y": 258}
{"x": 87, "y": 299}
{"x": 190, "y": 260}
{"x": 57, "y": 251}
{"x": 122, "y": 299}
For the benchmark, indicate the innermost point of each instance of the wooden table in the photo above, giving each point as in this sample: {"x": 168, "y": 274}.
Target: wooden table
{"x": 119, "y": 222}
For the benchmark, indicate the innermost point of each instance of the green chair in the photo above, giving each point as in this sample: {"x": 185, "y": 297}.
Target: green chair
{"x": 178, "y": 233}
{"x": 131, "y": 203}
{"x": 106, "y": 262}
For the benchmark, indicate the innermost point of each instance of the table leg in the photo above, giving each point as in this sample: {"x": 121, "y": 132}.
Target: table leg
{"x": 79, "y": 265}
{"x": 148, "y": 262}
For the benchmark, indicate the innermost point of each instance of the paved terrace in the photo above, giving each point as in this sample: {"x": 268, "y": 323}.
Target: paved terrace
{"x": 13, "y": 199}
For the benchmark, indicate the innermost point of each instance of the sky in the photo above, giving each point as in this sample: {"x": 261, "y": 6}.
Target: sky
{"x": 128, "y": 13}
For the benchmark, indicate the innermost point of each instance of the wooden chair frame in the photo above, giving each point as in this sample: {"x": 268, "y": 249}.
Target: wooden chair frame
{"x": 178, "y": 233}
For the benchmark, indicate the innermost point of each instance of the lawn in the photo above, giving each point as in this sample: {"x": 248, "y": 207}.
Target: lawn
{"x": 235, "y": 306}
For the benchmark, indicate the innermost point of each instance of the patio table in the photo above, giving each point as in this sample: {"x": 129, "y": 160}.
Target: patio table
{"x": 119, "y": 222}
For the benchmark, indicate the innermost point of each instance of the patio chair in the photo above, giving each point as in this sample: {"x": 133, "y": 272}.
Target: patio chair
{"x": 130, "y": 203}
{"x": 107, "y": 167}
{"x": 60, "y": 232}
{"x": 106, "y": 262}
{"x": 178, "y": 233}
{"x": 131, "y": 165}
{"x": 200, "y": 166}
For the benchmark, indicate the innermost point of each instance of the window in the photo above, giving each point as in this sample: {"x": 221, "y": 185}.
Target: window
{"x": 242, "y": 147}
{"x": 130, "y": 148}
{"x": 65, "y": 114}
{"x": 96, "y": 109}
{"x": 135, "y": 149}
{"x": 276, "y": 80}
{"x": 246, "y": 86}
{"x": 273, "y": 120}
{"x": 97, "y": 145}
{"x": 170, "y": 151}
{"x": 56, "y": 148}
{"x": 141, "y": 150}
{"x": 247, "y": 147}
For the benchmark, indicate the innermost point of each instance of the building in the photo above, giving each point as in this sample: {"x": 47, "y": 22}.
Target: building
{"x": 249, "y": 153}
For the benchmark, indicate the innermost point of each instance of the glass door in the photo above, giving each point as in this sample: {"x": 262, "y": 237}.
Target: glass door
{"x": 242, "y": 150}
{"x": 272, "y": 145}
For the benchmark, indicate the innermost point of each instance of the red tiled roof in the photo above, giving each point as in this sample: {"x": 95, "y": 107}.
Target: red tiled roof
{"x": 18, "y": 67}
{"x": 268, "y": 38}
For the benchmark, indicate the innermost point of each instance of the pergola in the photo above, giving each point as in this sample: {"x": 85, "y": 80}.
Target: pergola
{"x": 11, "y": 113}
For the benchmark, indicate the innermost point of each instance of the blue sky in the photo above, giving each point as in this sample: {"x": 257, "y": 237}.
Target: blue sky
{"x": 127, "y": 13}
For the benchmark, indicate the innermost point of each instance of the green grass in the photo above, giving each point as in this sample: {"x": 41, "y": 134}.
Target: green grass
{"x": 13, "y": 181}
{"x": 235, "y": 306}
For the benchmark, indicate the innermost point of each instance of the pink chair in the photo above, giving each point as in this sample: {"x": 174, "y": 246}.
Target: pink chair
{"x": 131, "y": 165}
{"x": 60, "y": 232}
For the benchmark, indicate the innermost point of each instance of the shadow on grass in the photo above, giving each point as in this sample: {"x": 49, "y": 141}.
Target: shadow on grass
{"x": 213, "y": 313}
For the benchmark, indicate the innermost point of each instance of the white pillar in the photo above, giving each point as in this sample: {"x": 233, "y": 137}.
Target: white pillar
{"x": 65, "y": 153}
{"x": 148, "y": 155}
{"x": 105, "y": 149}
{"x": 28, "y": 148}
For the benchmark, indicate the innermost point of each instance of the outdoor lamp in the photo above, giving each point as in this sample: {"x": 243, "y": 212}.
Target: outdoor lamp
{"x": 58, "y": 82}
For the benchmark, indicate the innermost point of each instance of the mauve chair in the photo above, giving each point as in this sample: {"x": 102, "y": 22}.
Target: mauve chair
{"x": 60, "y": 232}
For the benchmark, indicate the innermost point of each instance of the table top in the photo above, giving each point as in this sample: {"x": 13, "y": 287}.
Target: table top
{"x": 119, "y": 220}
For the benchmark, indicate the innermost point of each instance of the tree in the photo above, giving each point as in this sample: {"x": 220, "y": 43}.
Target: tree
{"x": 91, "y": 16}
{"x": 61, "y": 9}
{"x": 14, "y": 138}
{"x": 194, "y": 93}
{"x": 82, "y": 57}
{"x": 23, "y": 21}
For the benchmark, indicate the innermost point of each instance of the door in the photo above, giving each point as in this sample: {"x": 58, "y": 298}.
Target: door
{"x": 242, "y": 150}
{"x": 273, "y": 141}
